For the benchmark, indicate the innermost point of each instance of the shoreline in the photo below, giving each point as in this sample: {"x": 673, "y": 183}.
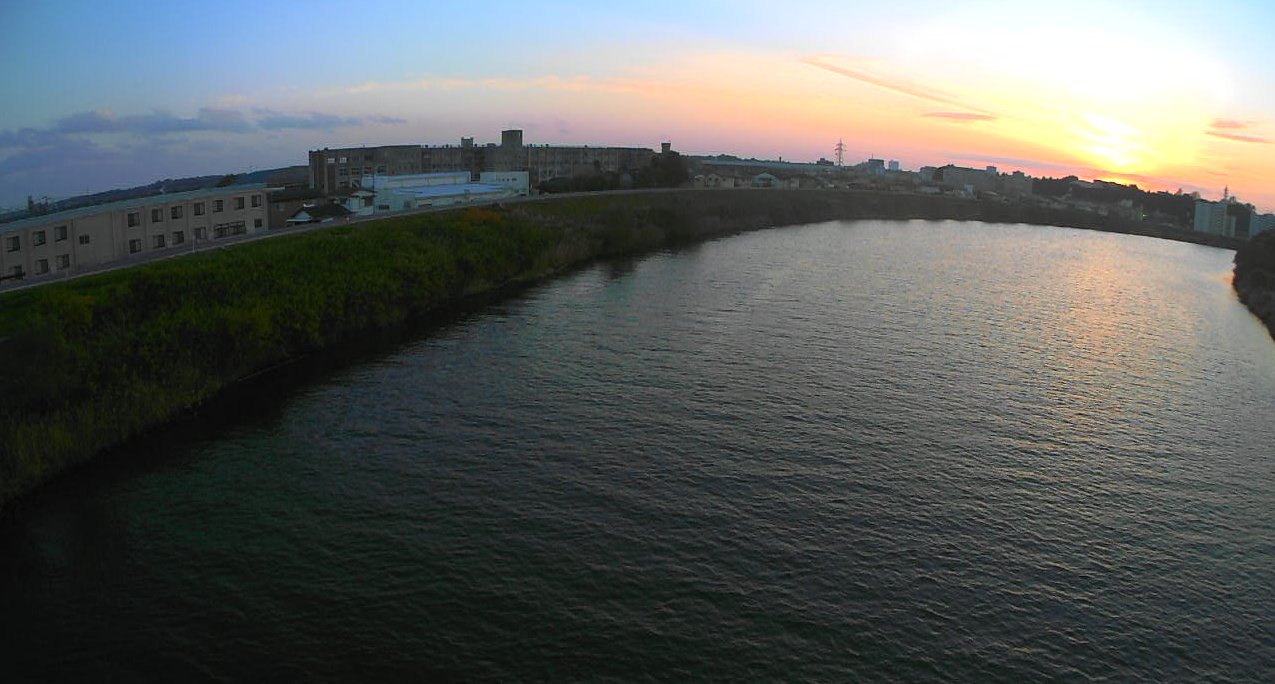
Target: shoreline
{"x": 1254, "y": 278}
{"x": 96, "y": 361}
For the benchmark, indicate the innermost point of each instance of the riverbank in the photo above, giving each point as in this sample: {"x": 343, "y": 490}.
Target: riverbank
{"x": 89, "y": 364}
{"x": 1254, "y": 279}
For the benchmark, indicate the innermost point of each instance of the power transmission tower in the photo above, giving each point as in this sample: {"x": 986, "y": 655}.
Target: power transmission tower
{"x": 840, "y": 149}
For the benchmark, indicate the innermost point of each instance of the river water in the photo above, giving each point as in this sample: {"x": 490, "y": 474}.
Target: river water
{"x": 857, "y": 451}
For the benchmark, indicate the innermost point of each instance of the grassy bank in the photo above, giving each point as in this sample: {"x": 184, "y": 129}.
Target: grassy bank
{"x": 88, "y": 364}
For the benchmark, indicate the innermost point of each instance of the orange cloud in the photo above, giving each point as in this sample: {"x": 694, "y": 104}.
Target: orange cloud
{"x": 1231, "y": 123}
{"x": 961, "y": 116}
{"x": 1239, "y": 138}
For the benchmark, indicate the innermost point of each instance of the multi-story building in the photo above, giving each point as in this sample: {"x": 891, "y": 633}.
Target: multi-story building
{"x": 961, "y": 177}
{"x": 332, "y": 170}
{"x": 466, "y": 157}
{"x": 1213, "y": 218}
{"x": 69, "y": 240}
{"x": 1260, "y": 223}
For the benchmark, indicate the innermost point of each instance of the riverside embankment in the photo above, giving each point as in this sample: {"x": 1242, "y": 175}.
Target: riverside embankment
{"x": 88, "y": 364}
{"x": 1254, "y": 279}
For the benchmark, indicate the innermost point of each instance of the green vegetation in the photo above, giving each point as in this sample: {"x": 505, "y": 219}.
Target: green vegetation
{"x": 1254, "y": 278}
{"x": 667, "y": 170}
{"x": 90, "y": 363}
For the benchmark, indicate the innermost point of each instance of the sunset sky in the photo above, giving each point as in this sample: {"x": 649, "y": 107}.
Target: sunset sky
{"x": 1163, "y": 94}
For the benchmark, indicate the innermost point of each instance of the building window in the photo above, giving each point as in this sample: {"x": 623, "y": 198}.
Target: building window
{"x": 256, "y": 223}
{"x": 367, "y": 201}
{"x": 201, "y": 233}
{"x": 238, "y": 203}
{"x": 342, "y": 171}
{"x": 13, "y": 244}
{"x": 37, "y": 238}
{"x": 199, "y": 208}
{"x": 133, "y": 219}
{"x": 64, "y": 261}
{"x": 157, "y": 242}
{"x": 134, "y": 246}
{"x": 218, "y": 205}
{"x": 16, "y": 271}
{"x": 59, "y": 233}
{"x": 157, "y": 215}
{"x": 367, "y": 169}
{"x": 179, "y": 237}
{"x": 380, "y": 169}
{"x": 367, "y": 157}
{"x": 342, "y": 160}
{"x": 331, "y": 160}
{"x": 383, "y": 207}
{"x": 223, "y": 230}
{"x": 84, "y": 239}
{"x": 256, "y": 200}
{"x": 41, "y": 266}
{"x": 175, "y": 212}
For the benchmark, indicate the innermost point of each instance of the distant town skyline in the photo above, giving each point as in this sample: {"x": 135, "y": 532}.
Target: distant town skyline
{"x": 1165, "y": 95}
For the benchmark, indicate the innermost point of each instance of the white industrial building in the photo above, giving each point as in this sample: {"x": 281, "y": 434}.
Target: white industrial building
{"x": 421, "y": 190}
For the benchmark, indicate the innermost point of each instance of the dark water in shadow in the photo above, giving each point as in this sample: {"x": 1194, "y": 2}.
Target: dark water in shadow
{"x": 875, "y": 451}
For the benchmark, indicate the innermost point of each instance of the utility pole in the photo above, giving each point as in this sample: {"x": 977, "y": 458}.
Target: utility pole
{"x": 840, "y": 149}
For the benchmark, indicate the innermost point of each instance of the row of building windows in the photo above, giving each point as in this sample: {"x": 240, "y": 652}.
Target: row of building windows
{"x": 343, "y": 171}
{"x": 40, "y": 237}
{"x": 221, "y": 230}
{"x": 134, "y": 245}
{"x": 62, "y": 261}
{"x": 157, "y": 215}
{"x": 346, "y": 160}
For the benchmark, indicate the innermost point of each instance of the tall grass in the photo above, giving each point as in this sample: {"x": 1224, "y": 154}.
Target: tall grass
{"x": 89, "y": 363}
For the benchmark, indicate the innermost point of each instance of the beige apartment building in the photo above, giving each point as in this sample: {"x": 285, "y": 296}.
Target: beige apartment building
{"x": 47, "y": 245}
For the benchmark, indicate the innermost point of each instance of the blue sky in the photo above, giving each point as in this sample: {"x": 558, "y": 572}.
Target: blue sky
{"x": 101, "y": 95}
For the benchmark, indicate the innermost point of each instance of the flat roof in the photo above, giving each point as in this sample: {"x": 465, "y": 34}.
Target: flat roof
{"x": 447, "y": 190}
{"x": 168, "y": 198}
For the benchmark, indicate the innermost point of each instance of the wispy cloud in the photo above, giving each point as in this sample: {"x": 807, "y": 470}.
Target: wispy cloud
{"x": 1239, "y": 138}
{"x": 157, "y": 122}
{"x": 272, "y": 121}
{"x": 860, "y": 70}
{"x": 1231, "y": 123}
{"x": 163, "y": 123}
{"x": 960, "y": 116}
